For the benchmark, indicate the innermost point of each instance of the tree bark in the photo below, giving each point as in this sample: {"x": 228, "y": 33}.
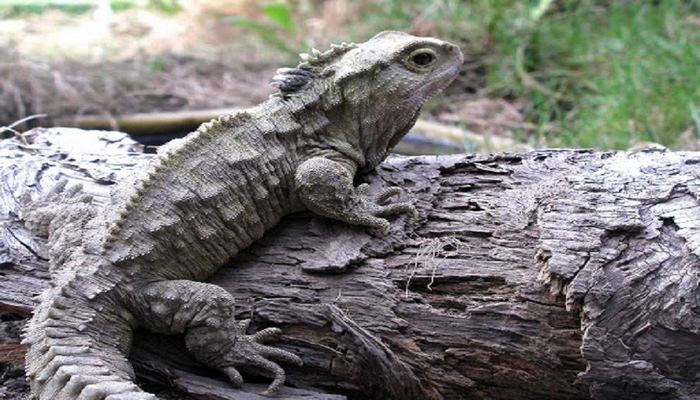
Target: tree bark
{"x": 555, "y": 274}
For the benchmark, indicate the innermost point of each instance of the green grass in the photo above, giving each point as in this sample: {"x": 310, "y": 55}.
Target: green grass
{"x": 621, "y": 74}
{"x": 605, "y": 74}
{"x": 277, "y": 30}
{"x": 642, "y": 66}
{"x": 19, "y": 8}
{"x": 593, "y": 73}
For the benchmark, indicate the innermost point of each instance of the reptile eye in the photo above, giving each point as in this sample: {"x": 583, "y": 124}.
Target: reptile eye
{"x": 422, "y": 58}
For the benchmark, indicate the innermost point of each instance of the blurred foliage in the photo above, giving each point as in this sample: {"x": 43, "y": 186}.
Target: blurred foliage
{"x": 607, "y": 74}
{"x": 584, "y": 73}
{"x": 166, "y": 6}
{"x": 278, "y": 29}
{"x": 13, "y": 8}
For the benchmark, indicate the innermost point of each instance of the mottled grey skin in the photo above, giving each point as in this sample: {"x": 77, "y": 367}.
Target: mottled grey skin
{"x": 208, "y": 196}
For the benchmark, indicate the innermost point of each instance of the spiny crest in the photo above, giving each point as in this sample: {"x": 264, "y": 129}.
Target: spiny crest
{"x": 318, "y": 59}
{"x": 159, "y": 164}
{"x": 290, "y": 80}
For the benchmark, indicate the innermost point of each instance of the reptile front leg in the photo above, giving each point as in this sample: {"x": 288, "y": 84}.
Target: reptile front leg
{"x": 326, "y": 188}
{"x": 204, "y": 313}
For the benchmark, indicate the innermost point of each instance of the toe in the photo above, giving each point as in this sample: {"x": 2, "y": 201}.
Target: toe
{"x": 243, "y": 325}
{"x": 388, "y": 193}
{"x": 234, "y": 376}
{"x": 279, "y": 373}
{"x": 362, "y": 189}
{"x": 266, "y": 335}
{"x": 379, "y": 223}
{"x": 398, "y": 208}
{"x": 58, "y": 188}
{"x": 281, "y": 355}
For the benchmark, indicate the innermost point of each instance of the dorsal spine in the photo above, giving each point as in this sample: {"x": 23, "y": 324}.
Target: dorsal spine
{"x": 159, "y": 165}
{"x": 318, "y": 59}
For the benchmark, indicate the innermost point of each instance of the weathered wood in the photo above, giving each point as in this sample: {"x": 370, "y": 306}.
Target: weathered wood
{"x": 448, "y": 306}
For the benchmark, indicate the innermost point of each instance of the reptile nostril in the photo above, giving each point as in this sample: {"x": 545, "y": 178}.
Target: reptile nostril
{"x": 450, "y": 48}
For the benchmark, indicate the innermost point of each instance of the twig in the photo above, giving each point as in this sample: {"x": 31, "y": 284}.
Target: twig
{"x": 18, "y": 134}
{"x": 27, "y": 118}
{"x": 528, "y": 81}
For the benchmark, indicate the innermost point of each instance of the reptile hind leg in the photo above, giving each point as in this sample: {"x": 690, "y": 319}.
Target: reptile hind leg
{"x": 204, "y": 313}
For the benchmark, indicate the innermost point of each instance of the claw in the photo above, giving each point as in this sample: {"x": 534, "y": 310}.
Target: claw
{"x": 363, "y": 189}
{"x": 243, "y": 325}
{"x": 280, "y": 375}
{"x": 375, "y": 207}
{"x": 385, "y": 229}
{"x": 249, "y": 352}
{"x": 234, "y": 376}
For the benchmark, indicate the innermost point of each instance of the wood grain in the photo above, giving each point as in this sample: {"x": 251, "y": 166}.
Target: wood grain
{"x": 555, "y": 274}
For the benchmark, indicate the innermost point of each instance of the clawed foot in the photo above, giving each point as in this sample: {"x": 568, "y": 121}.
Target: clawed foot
{"x": 54, "y": 203}
{"x": 373, "y": 207}
{"x": 250, "y": 351}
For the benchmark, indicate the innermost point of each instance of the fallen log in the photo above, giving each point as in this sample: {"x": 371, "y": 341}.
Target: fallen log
{"x": 557, "y": 274}
{"x": 426, "y": 137}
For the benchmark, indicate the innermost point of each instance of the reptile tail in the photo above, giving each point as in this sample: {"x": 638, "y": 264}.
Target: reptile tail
{"x": 78, "y": 349}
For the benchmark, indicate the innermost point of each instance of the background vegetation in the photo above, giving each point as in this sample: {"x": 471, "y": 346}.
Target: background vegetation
{"x": 574, "y": 73}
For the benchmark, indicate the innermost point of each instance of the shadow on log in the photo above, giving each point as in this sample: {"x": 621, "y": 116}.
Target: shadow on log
{"x": 548, "y": 275}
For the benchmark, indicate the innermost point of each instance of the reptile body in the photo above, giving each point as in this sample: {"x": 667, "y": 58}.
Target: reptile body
{"x": 211, "y": 194}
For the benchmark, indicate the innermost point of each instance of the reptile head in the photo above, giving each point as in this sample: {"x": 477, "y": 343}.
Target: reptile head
{"x": 386, "y": 81}
{"x": 371, "y": 92}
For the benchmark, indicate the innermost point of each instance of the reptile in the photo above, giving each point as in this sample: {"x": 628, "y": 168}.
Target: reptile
{"x": 139, "y": 262}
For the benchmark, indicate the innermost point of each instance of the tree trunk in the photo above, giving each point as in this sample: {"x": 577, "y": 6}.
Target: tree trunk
{"x": 555, "y": 274}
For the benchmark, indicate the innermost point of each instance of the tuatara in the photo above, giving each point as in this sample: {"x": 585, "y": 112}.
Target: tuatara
{"x": 211, "y": 194}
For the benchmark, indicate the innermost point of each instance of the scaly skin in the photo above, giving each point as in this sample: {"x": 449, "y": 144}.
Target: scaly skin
{"x": 211, "y": 194}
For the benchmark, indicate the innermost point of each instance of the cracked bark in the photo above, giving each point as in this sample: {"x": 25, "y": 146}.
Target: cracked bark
{"x": 522, "y": 272}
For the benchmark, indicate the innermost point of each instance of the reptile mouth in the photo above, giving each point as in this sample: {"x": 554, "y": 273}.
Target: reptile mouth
{"x": 437, "y": 83}
{"x": 412, "y": 103}
{"x": 443, "y": 79}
